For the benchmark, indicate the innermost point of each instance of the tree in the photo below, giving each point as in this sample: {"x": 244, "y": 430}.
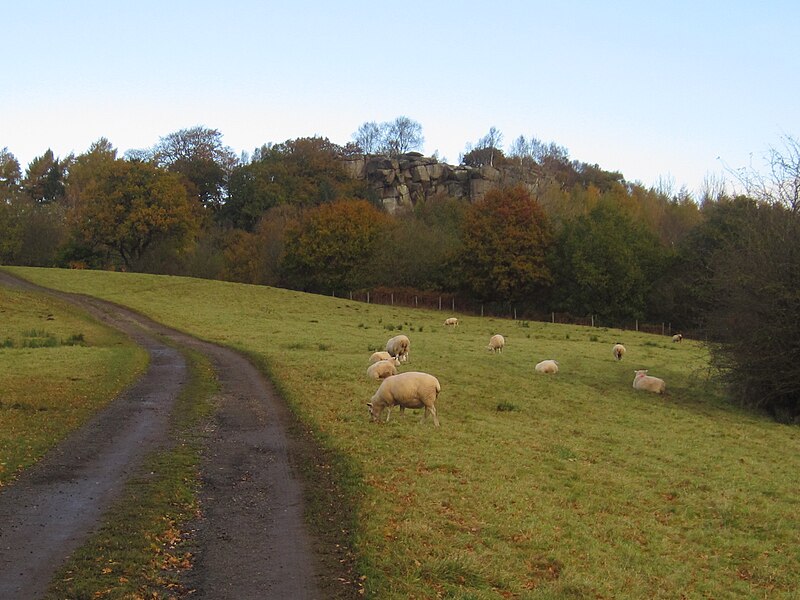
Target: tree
{"x": 754, "y": 318}
{"x": 301, "y": 172}
{"x": 199, "y": 155}
{"x": 127, "y": 208}
{"x": 506, "y": 237}
{"x": 486, "y": 152}
{"x": 604, "y": 264}
{"x": 369, "y": 137}
{"x": 335, "y": 247}
{"x": 9, "y": 175}
{"x": 779, "y": 181}
{"x": 44, "y": 178}
{"x": 403, "y": 135}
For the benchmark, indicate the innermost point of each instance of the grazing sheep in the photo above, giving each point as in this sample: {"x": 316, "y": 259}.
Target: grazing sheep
{"x": 382, "y": 369}
{"x": 398, "y": 346}
{"x": 406, "y": 390}
{"x": 451, "y": 321}
{"x": 496, "y": 343}
{"x": 648, "y": 383}
{"x": 618, "y": 350}
{"x": 547, "y": 366}
{"x": 678, "y": 337}
{"x": 376, "y": 356}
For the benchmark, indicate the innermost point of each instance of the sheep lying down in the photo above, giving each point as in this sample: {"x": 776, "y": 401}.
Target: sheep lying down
{"x": 383, "y": 369}
{"x": 547, "y": 367}
{"x": 648, "y": 383}
{"x": 406, "y": 390}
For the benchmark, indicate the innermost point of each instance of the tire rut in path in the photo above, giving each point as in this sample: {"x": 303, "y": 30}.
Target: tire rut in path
{"x": 252, "y": 541}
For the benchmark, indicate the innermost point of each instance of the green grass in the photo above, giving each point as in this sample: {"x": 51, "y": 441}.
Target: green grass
{"x": 586, "y": 489}
{"x": 139, "y": 550}
{"x": 57, "y": 368}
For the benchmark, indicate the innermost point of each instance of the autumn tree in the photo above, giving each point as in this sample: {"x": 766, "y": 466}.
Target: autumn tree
{"x": 127, "y": 208}
{"x": 506, "y": 236}
{"x": 332, "y": 247}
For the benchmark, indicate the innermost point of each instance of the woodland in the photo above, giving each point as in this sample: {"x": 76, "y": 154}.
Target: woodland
{"x": 723, "y": 267}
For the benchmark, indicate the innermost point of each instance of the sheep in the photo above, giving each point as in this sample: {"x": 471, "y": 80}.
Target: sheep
{"x": 398, "y": 346}
{"x": 496, "y": 343}
{"x": 618, "y": 350}
{"x": 678, "y": 337}
{"x": 547, "y": 366}
{"x": 382, "y": 369}
{"x": 451, "y": 321}
{"x": 376, "y": 356}
{"x": 406, "y": 390}
{"x": 648, "y": 383}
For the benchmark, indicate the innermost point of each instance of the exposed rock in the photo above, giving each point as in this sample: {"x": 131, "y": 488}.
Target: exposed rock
{"x": 403, "y": 181}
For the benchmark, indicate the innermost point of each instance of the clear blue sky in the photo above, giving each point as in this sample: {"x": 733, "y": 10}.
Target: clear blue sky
{"x": 656, "y": 90}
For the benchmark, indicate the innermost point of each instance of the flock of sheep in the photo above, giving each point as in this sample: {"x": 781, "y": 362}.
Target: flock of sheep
{"x": 414, "y": 389}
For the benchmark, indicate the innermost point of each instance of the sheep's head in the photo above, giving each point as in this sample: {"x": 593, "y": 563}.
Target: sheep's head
{"x": 373, "y": 412}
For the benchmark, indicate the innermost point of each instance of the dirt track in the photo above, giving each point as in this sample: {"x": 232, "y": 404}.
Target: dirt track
{"x": 252, "y": 541}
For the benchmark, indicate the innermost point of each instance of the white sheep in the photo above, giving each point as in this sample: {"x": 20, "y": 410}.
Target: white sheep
{"x": 618, "y": 350}
{"x": 678, "y": 337}
{"x": 451, "y": 321}
{"x": 648, "y": 383}
{"x": 376, "y": 356}
{"x": 496, "y": 343}
{"x": 547, "y": 366}
{"x": 406, "y": 390}
{"x": 399, "y": 346}
{"x": 382, "y": 369}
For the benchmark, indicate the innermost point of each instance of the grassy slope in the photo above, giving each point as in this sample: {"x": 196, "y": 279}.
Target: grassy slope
{"x": 50, "y": 380}
{"x": 589, "y": 489}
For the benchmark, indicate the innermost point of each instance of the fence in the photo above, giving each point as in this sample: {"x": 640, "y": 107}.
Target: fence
{"x": 452, "y": 303}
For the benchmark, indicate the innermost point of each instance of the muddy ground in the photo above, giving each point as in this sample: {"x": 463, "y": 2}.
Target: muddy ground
{"x": 252, "y": 541}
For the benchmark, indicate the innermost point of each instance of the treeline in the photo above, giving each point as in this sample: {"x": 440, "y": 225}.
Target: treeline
{"x": 585, "y": 242}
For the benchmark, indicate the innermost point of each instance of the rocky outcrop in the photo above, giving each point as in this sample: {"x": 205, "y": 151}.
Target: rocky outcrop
{"x": 400, "y": 182}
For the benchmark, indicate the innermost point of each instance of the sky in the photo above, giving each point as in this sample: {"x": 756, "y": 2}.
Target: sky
{"x": 672, "y": 94}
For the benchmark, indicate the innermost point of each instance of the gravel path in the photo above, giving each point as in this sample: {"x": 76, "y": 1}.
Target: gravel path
{"x": 252, "y": 541}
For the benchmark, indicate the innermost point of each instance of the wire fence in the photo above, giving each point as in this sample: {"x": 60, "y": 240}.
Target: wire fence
{"x": 452, "y": 303}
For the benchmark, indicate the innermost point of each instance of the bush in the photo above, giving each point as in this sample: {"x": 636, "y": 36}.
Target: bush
{"x": 755, "y": 321}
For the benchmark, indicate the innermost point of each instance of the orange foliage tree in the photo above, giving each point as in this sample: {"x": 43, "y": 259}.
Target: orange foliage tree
{"x": 335, "y": 247}
{"x": 126, "y": 208}
{"x": 506, "y": 237}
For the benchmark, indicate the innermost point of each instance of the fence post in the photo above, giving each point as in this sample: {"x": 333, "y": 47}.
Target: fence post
{"x": 592, "y": 320}
{"x": 553, "y": 317}
{"x": 392, "y": 299}
{"x": 367, "y": 297}
{"x": 416, "y": 303}
{"x": 454, "y": 304}
{"x": 440, "y": 303}
{"x": 351, "y": 294}
{"x": 515, "y": 313}
{"x": 637, "y": 324}
{"x": 481, "y": 309}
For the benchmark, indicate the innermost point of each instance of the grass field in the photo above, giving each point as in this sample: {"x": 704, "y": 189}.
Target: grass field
{"x": 57, "y": 367}
{"x": 565, "y": 486}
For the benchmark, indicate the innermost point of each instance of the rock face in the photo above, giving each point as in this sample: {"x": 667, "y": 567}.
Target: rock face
{"x": 400, "y": 182}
